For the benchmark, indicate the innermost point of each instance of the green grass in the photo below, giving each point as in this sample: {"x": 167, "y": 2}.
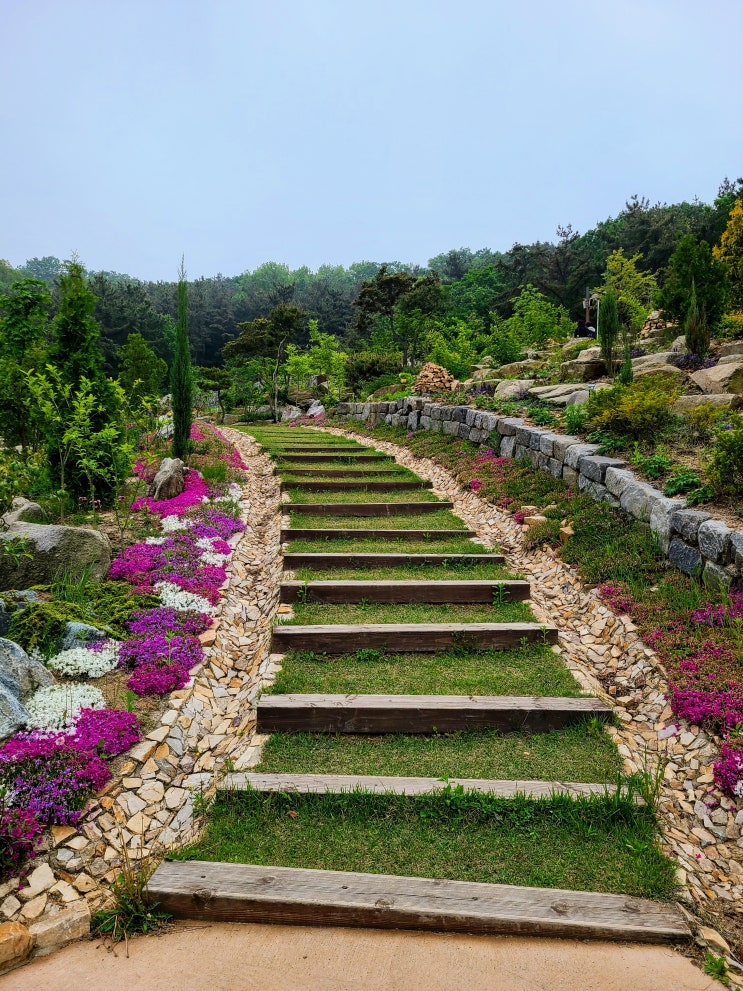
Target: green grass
{"x": 583, "y": 752}
{"x": 412, "y": 572}
{"x": 372, "y": 545}
{"x": 299, "y": 496}
{"x": 290, "y": 478}
{"x": 531, "y": 671}
{"x": 442, "y": 519}
{"x": 413, "y": 612}
{"x": 564, "y": 843}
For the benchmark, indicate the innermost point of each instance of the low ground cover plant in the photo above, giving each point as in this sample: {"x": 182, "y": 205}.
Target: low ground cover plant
{"x": 160, "y": 594}
{"x": 697, "y": 633}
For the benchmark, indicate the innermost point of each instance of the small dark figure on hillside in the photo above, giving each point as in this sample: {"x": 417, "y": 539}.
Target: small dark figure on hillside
{"x": 585, "y": 329}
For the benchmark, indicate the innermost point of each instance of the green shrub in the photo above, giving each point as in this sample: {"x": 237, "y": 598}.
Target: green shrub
{"x": 731, "y": 327}
{"x": 725, "y": 470}
{"x": 653, "y": 465}
{"x": 639, "y": 410}
{"x": 682, "y": 480}
{"x": 576, "y": 418}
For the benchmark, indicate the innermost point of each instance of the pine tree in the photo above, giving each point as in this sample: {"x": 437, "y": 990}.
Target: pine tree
{"x": 730, "y": 253}
{"x": 608, "y": 328}
{"x": 181, "y": 375}
{"x": 696, "y": 328}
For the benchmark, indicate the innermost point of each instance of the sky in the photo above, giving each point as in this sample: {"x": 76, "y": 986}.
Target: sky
{"x": 315, "y": 132}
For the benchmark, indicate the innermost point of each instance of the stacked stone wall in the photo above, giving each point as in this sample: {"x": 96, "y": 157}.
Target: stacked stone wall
{"x": 693, "y": 540}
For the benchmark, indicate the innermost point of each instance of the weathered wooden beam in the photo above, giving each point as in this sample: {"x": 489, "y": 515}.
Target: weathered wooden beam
{"x": 296, "y": 896}
{"x": 311, "y": 473}
{"x": 355, "y": 486}
{"x": 314, "y": 458}
{"x": 366, "y": 508}
{"x": 431, "y": 590}
{"x": 340, "y": 533}
{"x": 342, "y": 639}
{"x": 379, "y": 784}
{"x": 421, "y": 713}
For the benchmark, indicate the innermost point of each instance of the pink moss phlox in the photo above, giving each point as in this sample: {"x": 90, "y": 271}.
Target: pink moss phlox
{"x": 195, "y": 492}
{"x": 728, "y": 769}
{"x": 616, "y": 597}
{"x": 166, "y": 619}
{"x": 20, "y": 838}
{"x": 519, "y": 517}
{"x": 475, "y": 484}
{"x": 181, "y": 650}
{"x": 157, "y": 678}
{"x": 196, "y": 434}
{"x": 106, "y": 731}
{"x": 722, "y": 613}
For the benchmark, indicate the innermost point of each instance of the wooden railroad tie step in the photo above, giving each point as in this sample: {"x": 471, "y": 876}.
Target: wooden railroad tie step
{"x": 421, "y": 713}
{"x": 379, "y": 784}
{"x": 366, "y": 508}
{"x": 354, "y": 486}
{"x": 312, "y": 473}
{"x": 322, "y": 449}
{"x": 314, "y": 458}
{"x": 316, "y": 533}
{"x": 403, "y": 591}
{"x": 401, "y": 637}
{"x": 247, "y": 893}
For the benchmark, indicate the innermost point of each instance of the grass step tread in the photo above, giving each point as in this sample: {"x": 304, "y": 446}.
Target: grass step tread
{"x": 300, "y": 896}
{"x": 366, "y": 508}
{"x": 403, "y": 591}
{"x": 354, "y": 486}
{"x": 421, "y": 713}
{"x": 379, "y": 784}
{"x": 312, "y": 458}
{"x": 315, "y": 533}
{"x": 409, "y": 636}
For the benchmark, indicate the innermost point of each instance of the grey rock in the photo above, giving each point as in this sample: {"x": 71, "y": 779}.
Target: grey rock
{"x": 578, "y": 451}
{"x": 724, "y": 377}
{"x": 661, "y": 516}
{"x": 547, "y": 442}
{"x": 714, "y": 541}
{"x": 570, "y": 476}
{"x": 316, "y": 409}
{"x": 451, "y": 427}
{"x": 413, "y": 420}
{"x": 715, "y": 577}
{"x": 637, "y": 500}
{"x": 19, "y": 674}
{"x": 507, "y": 446}
{"x": 513, "y": 388}
{"x": 736, "y": 543}
{"x": 508, "y": 425}
{"x": 582, "y": 371}
{"x": 685, "y": 558}
{"x": 594, "y": 466}
{"x": 80, "y": 633}
{"x": 13, "y": 715}
{"x": 5, "y": 618}
{"x": 169, "y": 481}
{"x": 735, "y": 347}
{"x": 594, "y": 489}
{"x": 54, "y": 549}
{"x": 617, "y": 480}
{"x": 686, "y": 522}
{"x": 578, "y": 398}
{"x": 24, "y": 511}
{"x": 290, "y": 413}
{"x": 561, "y": 443}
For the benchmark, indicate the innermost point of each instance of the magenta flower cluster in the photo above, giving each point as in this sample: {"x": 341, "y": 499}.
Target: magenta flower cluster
{"x": 20, "y": 835}
{"x": 721, "y": 613}
{"x": 196, "y": 491}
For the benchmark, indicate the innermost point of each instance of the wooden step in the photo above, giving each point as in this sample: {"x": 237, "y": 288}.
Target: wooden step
{"x": 366, "y": 508}
{"x": 378, "y": 784}
{"x": 312, "y": 559}
{"x": 404, "y": 591}
{"x": 341, "y": 639}
{"x": 317, "y": 533}
{"x": 355, "y": 486}
{"x": 216, "y": 892}
{"x": 322, "y": 449}
{"x": 421, "y": 713}
{"x": 312, "y": 473}
{"x": 314, "y": 458}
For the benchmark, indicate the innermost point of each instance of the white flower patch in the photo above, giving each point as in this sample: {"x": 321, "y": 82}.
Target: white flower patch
{"x": 57, "y": 706}
{"x": 156, "y": 541}
{"x": 82, "y": 661}
{"x": 208, "y": 557}
{"x": 171, "y": 523}
{"x": 175, "y": 597}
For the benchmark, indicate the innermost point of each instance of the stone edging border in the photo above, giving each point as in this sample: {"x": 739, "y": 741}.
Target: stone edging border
{"x": 206, "y": 726}
{"x": 693, "y": 540}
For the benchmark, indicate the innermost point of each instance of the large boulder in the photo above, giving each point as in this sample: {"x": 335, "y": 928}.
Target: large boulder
{"x": 669, "y": 373}
{"x": 734, "y": 347}
{"x": 514, "y": 388}
{"x": 13, "y": 714}
{"x": 39, "y": 554}
{"x": 516, "y": 369}
{"x": 19, "y": 673}
{"x": 170, "y": 480}
{"x": 24, "y": 511}
{"x": 316, "y": 409}
{"x": 290, "y": 413}
{"x": 727, "y": 376}
{"x": 684, "y": 404}
{"x": 76, "y": 634}
{"x": 654, "y": 360}
{"x": 587, "y": 366}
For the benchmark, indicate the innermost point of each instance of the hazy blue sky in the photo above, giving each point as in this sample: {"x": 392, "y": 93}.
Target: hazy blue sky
{"x": 238, "y": 131}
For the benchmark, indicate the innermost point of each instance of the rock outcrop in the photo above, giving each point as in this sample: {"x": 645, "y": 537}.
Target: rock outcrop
{"x": 38, "y": 554}
{"x": 170, "y": 480}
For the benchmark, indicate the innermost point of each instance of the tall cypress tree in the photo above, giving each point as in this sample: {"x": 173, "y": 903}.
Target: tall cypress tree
{"x": 181, "y": 375}
{"x": 608, "y": 328}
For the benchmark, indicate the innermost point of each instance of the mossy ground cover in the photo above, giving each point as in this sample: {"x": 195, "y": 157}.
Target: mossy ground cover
{"x": 532, "y": 671}
{"x": 554, "y": 842}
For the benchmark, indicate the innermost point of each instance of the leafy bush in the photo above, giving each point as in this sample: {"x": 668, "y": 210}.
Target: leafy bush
{"x": 367, "y": 367}
{"x": 576, "y": 418}
{"x": 682, "y": 480}
{"x": 731, "y": 327}
{"x": 725, "y": 470}
{"x": 653, "y": 465}
{"x": 639, "y": 410}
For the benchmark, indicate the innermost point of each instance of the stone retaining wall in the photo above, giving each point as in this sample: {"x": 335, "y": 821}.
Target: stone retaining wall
{"x": 693, "y": 540}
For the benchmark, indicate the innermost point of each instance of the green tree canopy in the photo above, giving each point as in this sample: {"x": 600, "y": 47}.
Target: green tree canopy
{"x": 142, "y": 372}
{"x": 693, "y": 264}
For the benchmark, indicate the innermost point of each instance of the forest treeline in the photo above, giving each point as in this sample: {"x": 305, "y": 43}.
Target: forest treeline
{"x": 460, "y": 285}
